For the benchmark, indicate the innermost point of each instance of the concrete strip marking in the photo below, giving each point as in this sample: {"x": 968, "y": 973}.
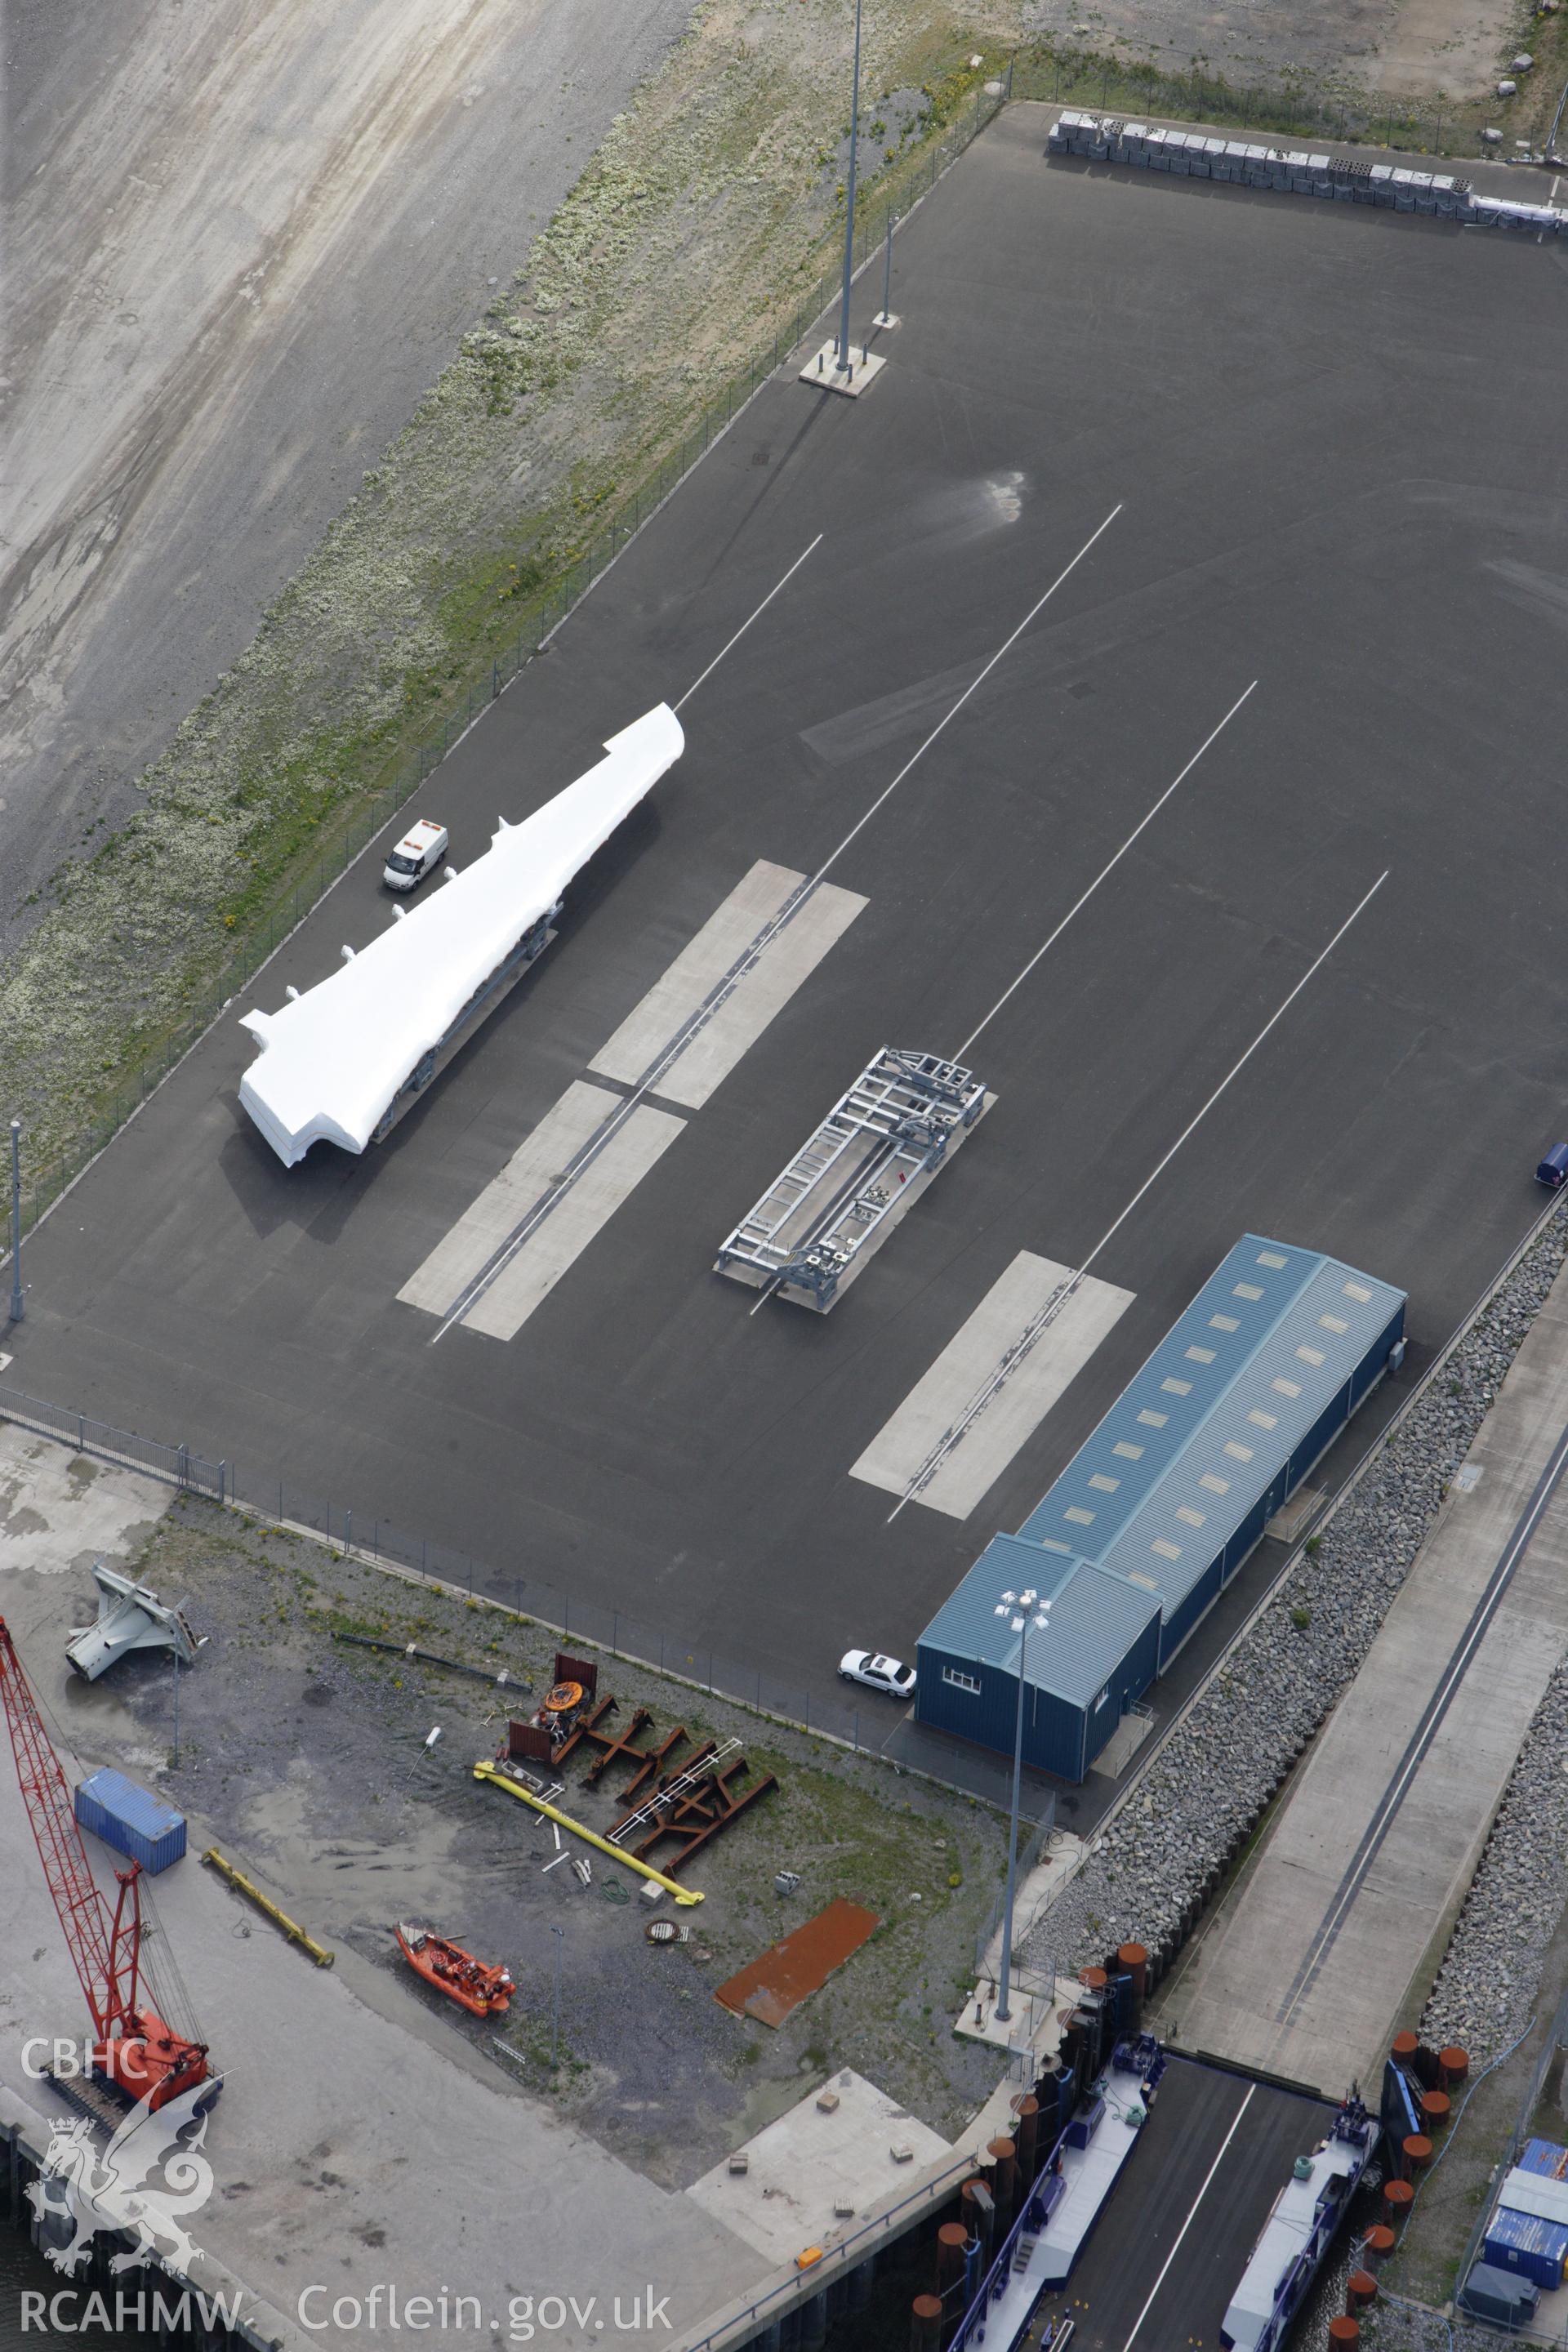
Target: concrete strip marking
{"x": 556, "y": 1244}
{"x": 902, "y": 1446}
{"x": 528, "y": 1175}
{"x": 697, "y": 970}
{"x": 789, "y": 958}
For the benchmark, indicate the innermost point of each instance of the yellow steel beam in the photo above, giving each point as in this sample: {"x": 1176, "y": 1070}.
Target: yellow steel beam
{"x": 292, "y": 1927}
{"x": 488, "y": 1771}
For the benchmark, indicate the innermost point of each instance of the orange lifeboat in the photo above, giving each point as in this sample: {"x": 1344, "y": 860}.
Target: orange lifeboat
{"x": 484, "y": 1992}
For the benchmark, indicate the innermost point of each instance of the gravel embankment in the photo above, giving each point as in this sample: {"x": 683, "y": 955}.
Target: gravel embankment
{"x": 1486, "y": 1988}
{"x": 1165, "y": 1851}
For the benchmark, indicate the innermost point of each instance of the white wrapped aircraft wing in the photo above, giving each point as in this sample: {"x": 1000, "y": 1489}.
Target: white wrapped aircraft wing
{"x": 333, "y": 1061}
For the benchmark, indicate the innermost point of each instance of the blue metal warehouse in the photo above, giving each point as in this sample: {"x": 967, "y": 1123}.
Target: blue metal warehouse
{"x": 1155, "y": 1513}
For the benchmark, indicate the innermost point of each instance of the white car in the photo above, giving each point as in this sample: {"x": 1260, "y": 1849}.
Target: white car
{"x": 420, "y": 852}
{"x": 878, "y": 1672}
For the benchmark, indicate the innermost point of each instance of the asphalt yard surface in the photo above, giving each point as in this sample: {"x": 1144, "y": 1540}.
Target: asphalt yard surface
{"x": 1169, "y": 2251}
{"x": 1244, "y": 442}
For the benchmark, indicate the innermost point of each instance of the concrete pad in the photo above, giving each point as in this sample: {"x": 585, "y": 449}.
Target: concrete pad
{"x": 789, "y": 958}
{"x": 1340, "y": 1925}
{"x": 1123, "y": 1745}
{"x": 800, "y": 2166}
{"x": 357, "y": 2139}
{"x": 536, "y": 1164}
{"x": 697, "y": 970}
{"x": 1289, "y": 1526}
{"x": 824, "y": 372}
{"x": 904, "y": 1445}
{"x": 559, "y": 1240}
{"x": 60, "y": 1510}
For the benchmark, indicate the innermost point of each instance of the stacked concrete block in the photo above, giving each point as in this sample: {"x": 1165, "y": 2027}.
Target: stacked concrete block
{"x": 1192, "y": 154}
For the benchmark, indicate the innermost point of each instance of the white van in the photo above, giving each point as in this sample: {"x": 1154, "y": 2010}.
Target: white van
{"x": 420, "y": 852}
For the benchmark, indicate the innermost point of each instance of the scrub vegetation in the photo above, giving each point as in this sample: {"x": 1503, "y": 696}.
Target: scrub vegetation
{"x": 303, "y": 1756}
{"x": 706, "y": 214}
{"x": 699, "y": 226}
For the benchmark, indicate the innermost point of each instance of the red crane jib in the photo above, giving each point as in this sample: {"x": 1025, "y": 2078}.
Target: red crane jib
{"x": 135, "y": 2048}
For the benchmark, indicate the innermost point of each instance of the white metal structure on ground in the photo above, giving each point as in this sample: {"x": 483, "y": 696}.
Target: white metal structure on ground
{"x": 335, "y": 1060}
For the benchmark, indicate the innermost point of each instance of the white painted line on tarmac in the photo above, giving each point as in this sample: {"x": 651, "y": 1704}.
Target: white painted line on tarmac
{"x": 789, "y": 960}
{"x": 528, "y": 1175}
{"x": 1187, "y": 2225}
{"x": 745, "y": 625}
{"x": 1006, "y": 1369}
{"x": 902, "y": 1448}
{"x": 947, "y": 719}
{"x": 553, "y": 1248}
{"x": 680, "y": 992}
{"x": 1104, "y": 871}
{"x": 462, "y": 1305}
{"x": 671, "y": 1004}
{"x": 1272, "y": 1023}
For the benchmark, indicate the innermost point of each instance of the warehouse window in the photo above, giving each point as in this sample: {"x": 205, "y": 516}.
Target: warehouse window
{"x": 1311, "y": 1355}
{"x": 1177, "y": 1388}
{"x": 1200, "y": 1355}
{"x": 1272, "y": 1258}
{"x": 1223, "y": 1323}
{"x": 1334, "y": 1323}
{"x": 961, "y": 1681}
{"x": 1358, "y": 1290}
{"x": 1248, "y": 1289}
{"x": 1130, "y": 1453}
{"x": 1152, "y": 1420}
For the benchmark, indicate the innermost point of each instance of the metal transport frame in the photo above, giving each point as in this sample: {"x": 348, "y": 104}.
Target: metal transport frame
{"x": 845, "y": 1190}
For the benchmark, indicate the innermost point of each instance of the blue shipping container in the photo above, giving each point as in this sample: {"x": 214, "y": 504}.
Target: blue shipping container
{"x": 1544, "y": 2155}
{"x": 131, "y": 1821}
{"x": 1537, "y": 2250}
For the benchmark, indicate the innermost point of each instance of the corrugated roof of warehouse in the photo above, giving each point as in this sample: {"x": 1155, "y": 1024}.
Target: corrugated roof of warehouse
{"x": 1196, "y": 1437}
{"x": 1095, "y": 1618}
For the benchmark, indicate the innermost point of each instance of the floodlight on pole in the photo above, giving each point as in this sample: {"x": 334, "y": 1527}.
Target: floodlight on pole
{"x": 844, "y": 360}
{"x": 1021, "y": 1610}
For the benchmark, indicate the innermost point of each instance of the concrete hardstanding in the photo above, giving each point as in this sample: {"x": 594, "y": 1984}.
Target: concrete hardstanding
{"x": 1322, "y": 489}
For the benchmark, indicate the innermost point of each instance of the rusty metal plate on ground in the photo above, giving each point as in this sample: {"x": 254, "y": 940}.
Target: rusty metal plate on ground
{"x": 798, "y": 1964}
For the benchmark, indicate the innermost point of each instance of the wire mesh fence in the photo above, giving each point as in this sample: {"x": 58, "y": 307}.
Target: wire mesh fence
{"x": 578, "y": 1622}
{"x": 348, "y": 833}
{"x": 176, "y": 1464}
